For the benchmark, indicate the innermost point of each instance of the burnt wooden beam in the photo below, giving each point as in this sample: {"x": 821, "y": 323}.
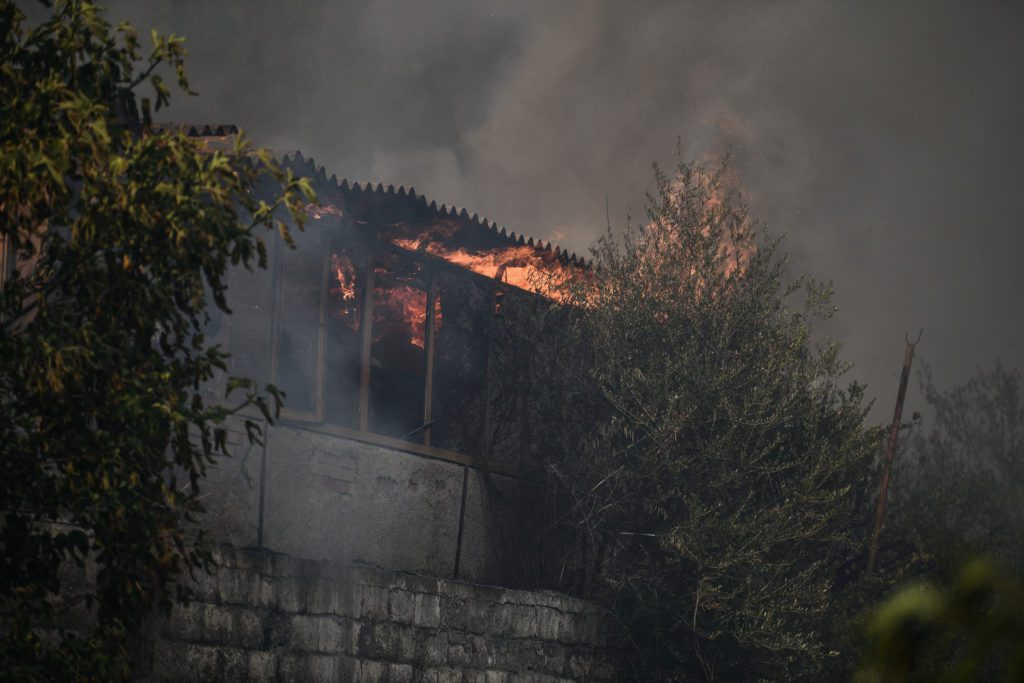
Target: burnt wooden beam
{"x": 430, "y": 344}
{"x": 492, "y": 321}
{"x": 366, "y": 333}
{"x": 319, "y": 401}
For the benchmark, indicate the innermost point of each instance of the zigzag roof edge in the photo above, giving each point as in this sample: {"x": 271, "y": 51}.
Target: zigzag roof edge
{"x": 196, "y": 130}
{"x": 308, "y": 165}
{"x": 297, "y": 162}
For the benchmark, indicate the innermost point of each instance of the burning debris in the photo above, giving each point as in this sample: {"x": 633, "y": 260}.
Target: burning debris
{"x": 519, "y": 266}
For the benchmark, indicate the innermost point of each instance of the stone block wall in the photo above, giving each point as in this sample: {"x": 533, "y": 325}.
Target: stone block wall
{"x": 269, "y": 617}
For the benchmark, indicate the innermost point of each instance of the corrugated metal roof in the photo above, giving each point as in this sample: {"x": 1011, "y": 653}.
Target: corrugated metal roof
{"x": 397, "y": 208}
{"x": 197, "y": 129}
{"x": 402, "y": 208}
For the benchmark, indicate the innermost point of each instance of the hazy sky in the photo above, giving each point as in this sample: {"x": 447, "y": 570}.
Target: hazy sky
{"x": 885, "y": 139}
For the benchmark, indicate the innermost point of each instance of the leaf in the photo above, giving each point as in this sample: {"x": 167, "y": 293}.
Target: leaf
{"x": 126, "y": 237}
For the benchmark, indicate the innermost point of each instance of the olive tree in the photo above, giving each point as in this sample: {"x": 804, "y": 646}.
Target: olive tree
{"x": 711, "y": 458}
{"x": 122, "y": 238}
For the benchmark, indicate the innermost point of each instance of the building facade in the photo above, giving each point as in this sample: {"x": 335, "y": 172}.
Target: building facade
{"x": 405, "y": 436}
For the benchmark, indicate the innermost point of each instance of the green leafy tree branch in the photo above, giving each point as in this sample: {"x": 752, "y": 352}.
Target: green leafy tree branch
{"x": 122, "y": 238}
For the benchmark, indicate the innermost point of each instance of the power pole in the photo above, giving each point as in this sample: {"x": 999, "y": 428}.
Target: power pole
{"x": 908, "y": 358}
{"x": 7, "y": 259}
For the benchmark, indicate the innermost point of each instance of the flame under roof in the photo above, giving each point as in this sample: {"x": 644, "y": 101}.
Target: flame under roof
{"x": 396, "y": 207}
{"x": 401, "y": 206}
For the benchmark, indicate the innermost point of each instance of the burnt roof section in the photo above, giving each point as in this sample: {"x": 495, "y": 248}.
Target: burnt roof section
{"x": 406, "y": 213}
{"x": 399, "y": 209}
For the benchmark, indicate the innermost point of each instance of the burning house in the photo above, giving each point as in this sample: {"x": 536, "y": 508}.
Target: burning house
{"x": 349, "y": 544}
{"x": 403, "y": 441}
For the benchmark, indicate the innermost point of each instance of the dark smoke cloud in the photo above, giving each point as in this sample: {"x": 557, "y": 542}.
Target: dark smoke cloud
{"x": 884, "y": 138}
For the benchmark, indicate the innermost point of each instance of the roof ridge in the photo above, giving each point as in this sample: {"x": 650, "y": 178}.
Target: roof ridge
{"x": 197, "y": 129}
{"x": 308, "y": 166}
{"x": 318, "y": 173}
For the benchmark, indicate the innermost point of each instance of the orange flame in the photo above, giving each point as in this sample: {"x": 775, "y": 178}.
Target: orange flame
{"x": 345, "y": 276}
{"x": 402, "y": 310}
{"x": 522, "y": 266}
{"x": 735, "y": 248}
{"x": 398, "y": 310}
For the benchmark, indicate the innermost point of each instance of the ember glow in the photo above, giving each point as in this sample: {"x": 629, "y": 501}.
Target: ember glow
{"x": 735, "y": 247}
{"x": 399, "y": 310}
{"x": 344, "y": 278}
{"x": 399, "y": 292}
{"x": 402, "y": 311}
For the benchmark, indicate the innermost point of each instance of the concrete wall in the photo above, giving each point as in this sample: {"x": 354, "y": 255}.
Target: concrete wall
{"x": 323, "y": 497}
{"x": 268, "y": 617}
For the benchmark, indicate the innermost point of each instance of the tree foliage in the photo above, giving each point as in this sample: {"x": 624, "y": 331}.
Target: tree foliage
{"x": 709, "y": 455}
{"x": 969, "y": 630}
{"x": 957, "y": 495}
{"x": 124, "y": 237}
{"x": 957, "y": 489}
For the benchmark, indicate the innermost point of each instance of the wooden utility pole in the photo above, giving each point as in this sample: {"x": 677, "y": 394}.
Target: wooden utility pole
{"x": 908, "y": 358}
{"x": 6, "y": 259}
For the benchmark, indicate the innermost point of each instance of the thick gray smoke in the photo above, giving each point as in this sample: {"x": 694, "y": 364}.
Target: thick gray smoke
{"x": 884, "y": 138}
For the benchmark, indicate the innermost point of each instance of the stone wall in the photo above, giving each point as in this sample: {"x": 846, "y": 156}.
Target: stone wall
{"x": 264, "y": 616}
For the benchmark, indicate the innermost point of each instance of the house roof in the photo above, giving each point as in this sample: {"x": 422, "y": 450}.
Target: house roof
{"x": 197, "y": 129}
{"x": 404, "y": 212}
